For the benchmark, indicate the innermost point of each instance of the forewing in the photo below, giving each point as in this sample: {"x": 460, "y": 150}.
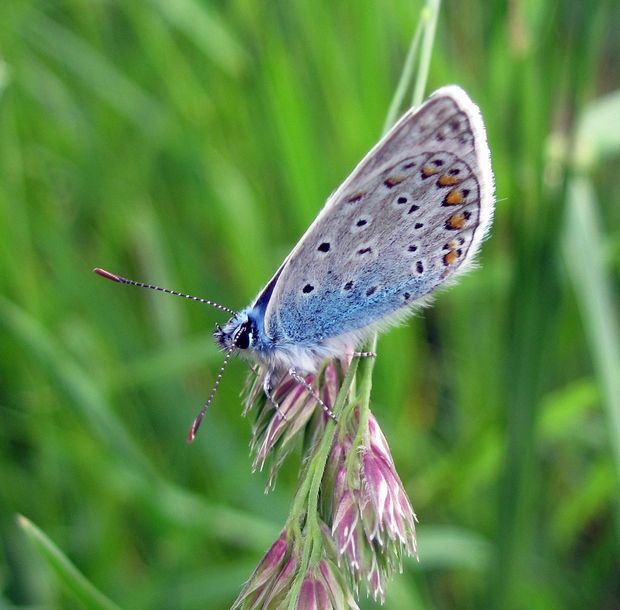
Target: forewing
{"x": 410, "y": 216}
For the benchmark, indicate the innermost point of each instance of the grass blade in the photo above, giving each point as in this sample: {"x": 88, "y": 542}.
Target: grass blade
{"x": 594, "y": 290}
{"x": 66, "y": 573}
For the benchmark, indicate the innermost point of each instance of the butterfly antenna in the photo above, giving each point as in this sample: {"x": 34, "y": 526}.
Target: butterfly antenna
{"x": 124, "y": 280}
{"x": 196, "y": 424}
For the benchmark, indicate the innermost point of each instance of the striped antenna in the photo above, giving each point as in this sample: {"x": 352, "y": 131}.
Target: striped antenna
{"x": 124, "y": 280}
{"x": 191, "y": 435}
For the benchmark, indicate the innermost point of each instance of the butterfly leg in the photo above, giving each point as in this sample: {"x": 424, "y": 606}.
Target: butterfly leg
{"x": 267, "y": 389}
{"x": 364, "y": 354}
{"x": 301, "y": 381}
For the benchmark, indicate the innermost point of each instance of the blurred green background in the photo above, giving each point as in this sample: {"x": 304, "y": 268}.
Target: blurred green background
{"x": 190, "y": 143}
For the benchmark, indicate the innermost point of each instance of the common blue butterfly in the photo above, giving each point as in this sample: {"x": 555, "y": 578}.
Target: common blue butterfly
{"x": 409, "y": 219}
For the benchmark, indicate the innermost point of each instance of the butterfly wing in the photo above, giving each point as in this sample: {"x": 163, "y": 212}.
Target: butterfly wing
{"x": 409, "y": 218}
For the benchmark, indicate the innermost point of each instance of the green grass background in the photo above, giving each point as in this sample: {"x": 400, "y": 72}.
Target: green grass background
{"x": 190, "y": 143}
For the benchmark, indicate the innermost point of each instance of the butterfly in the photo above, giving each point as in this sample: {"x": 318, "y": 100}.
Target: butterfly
{"x": 409, "y": 219}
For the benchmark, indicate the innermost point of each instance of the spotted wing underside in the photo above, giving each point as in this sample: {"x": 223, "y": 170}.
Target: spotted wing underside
{"x": 410, "y": 217}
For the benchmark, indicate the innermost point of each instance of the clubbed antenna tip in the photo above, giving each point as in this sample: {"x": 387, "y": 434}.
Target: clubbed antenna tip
{"x": 107, "y": 275}
{"x": 191, "y": 435}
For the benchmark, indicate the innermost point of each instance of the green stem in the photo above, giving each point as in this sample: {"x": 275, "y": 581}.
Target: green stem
{"x": 366, "y": 368}
{"x": 307, "y": 497}
{"x": 430, "y": 13}
{"x": 405, "y": 79}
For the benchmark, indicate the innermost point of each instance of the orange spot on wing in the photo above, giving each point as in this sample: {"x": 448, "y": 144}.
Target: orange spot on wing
{"x": 450, "y": 258}
{"x": 446, "y": 180}
{"x": 355, "y": 197}
{"x": 454, "y": 197}
{"x": 429, "y": 170}
{"x": 455, "y": 222}
{"x": 394, "y": 180}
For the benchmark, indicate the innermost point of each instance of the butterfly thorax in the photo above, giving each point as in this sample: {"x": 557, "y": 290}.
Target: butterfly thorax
{"x": 245, "y": 334}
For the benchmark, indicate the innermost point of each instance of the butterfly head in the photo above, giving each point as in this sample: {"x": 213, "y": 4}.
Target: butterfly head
{"x": 238, "y": 333}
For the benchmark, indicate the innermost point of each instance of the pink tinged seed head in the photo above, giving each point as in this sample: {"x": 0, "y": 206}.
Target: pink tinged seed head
{"x": 268, "y": 571}
{"x": 280, "y": 433}
{"x": 335, "y": 479}
{"x": 374, "y": 581}
{"x": 345, "y": 528}
{"x": 378, "y": 442}
{"x": 375, "y": 483}
{"x": 276, "y": 432}
{"x": 393, "y": 514}
{"x": 373, "y": 523}
{"x": 333, "y": 580}
{"x": 330, "y": 384}
{"x": 278, "y": 592}
{"x": 273, "y": 557}
{"x": 313, "y": 595}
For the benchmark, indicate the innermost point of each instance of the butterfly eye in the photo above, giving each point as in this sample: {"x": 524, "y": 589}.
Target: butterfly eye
{"x": 243, "y": 337}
